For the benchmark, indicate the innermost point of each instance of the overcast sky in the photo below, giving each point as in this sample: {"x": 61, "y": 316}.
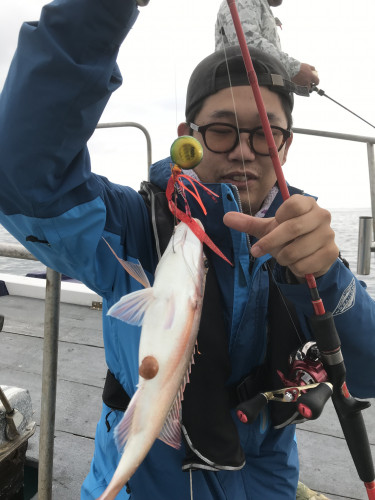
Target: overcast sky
{"x": 172, "y": 36}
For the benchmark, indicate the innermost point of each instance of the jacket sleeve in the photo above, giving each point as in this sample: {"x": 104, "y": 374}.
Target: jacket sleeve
{"x": 354, "y": 315}
{"x": 61, "y": 77}
{"x": 259, "y": 30}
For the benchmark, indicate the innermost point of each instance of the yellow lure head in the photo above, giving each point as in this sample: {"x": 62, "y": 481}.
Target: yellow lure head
{"x": 186, "y": 152}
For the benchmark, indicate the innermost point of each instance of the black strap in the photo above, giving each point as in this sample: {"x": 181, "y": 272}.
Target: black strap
{"x": 114, "y": 395}
{"x": 207, "y": 422}
{"x": 161, "y": 217}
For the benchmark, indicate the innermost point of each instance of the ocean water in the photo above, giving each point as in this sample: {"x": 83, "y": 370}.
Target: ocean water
{"x": 345, "y": 222}
{"x": 19, "y": 267}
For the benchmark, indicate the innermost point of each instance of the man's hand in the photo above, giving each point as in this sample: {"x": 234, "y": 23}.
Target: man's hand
{"x": 306, "y": 76}
{"x": 300, "y": 236}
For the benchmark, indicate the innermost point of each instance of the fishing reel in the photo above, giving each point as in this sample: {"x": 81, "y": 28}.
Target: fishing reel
{"x": 306, "y": 386}
{"x": 305, "y": 367}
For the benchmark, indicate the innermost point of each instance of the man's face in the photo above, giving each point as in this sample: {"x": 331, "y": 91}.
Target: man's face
{"x": 253, "y": 175}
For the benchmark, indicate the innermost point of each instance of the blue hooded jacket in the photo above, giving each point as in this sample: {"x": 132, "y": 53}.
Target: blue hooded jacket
{"x": 48, "y": 191}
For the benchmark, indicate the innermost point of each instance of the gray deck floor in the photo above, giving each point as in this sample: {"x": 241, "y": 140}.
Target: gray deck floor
{"x": 325, "y": 461}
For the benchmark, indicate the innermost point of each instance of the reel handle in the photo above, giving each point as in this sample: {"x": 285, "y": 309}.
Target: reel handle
{"x": 248, "y": 411}
{"x": 310, "y": 405}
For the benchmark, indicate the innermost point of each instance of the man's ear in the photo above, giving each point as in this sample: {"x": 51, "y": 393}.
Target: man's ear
{"x": 183, "y": 129}
{"x": 286, "y": 149}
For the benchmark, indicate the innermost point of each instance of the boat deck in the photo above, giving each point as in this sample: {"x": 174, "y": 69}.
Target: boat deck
{"x": 325, "y": 461}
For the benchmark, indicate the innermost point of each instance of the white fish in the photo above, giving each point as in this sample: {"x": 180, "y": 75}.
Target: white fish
{"x": 170, "y": 314}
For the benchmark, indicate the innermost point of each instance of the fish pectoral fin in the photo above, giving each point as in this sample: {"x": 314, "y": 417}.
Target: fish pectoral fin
{"x": 132, "y": 307}
{"x": 121, "y": 432}
{"x": 135, "y": 269}
{"x": 171, "y": 431}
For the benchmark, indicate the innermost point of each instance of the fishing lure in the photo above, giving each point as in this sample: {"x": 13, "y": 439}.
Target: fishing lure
{"x": 186, "y": 153}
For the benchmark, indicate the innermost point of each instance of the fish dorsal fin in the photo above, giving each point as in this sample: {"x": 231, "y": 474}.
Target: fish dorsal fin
{"x": 171, "y": 431}
{"x": 132, "y": 307}
{"x": 135, "y": 269}
{"x": 121, "y": 432}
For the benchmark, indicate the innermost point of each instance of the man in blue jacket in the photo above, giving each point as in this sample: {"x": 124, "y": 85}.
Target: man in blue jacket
{"x": 60, "y": 80}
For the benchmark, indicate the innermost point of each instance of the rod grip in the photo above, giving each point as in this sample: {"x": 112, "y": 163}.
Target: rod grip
{"x": 348, "y": 409}
{"x": 325, "y": 332}
{"x": 355, "y": 433}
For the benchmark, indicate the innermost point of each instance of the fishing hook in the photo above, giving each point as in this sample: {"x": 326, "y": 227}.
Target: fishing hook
{"x": 322, "y": 324}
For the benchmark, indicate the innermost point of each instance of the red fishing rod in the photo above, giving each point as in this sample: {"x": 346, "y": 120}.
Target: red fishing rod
{"x": 253, "y": 80}
{"x": 348, "y": 409}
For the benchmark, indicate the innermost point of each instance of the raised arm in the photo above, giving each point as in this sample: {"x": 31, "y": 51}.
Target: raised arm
{"x": 62, "y": 75}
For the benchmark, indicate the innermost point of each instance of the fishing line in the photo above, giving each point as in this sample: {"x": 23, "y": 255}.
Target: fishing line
{"x": 173, "y": 234}
{"x": 248, "y": 191}
{"x": 284, "y": 302}
{"x": 175, "y": 48}
{"x": 236, "y": 118}
{"x": 188, "y": 264}
{"x": 322, "y": 93}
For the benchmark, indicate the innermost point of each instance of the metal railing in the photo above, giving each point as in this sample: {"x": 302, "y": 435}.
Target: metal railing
{"x": 367, "y": 224}
{"x": 52, "y": 314}
{"x": 49, "y": 369}
{"x": 140, "y": 127}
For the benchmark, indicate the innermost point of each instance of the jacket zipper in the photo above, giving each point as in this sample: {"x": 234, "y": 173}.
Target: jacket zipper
{"x": 238, "y": 200}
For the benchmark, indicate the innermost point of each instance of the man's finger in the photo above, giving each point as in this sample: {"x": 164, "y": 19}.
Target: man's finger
{"x": 247, "y": 224}
{"x": 238, "y": 221}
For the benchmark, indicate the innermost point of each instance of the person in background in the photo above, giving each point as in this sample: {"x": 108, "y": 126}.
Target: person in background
{"x": 60, "y": 80}
{"x": 260, "y": 29}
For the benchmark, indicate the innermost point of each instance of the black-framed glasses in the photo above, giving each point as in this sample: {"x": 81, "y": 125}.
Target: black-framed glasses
{"x": 224, "y": 137}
